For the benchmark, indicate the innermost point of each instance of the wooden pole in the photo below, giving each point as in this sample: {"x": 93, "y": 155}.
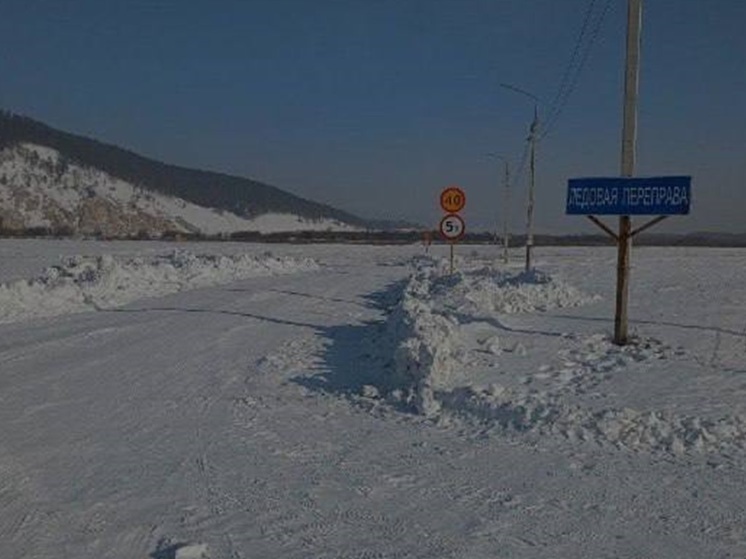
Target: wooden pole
{"x": 531, "y": 186}
{"x": 506, "y": 215}
{"x": 629, "y": 141}
{"x": 622, "y": 280}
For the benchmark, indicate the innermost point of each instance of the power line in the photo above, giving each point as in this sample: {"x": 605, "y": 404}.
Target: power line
{"x": 563, "y": 94}
{"x": 575, "y": 52}
{"x": 584, "y": 44}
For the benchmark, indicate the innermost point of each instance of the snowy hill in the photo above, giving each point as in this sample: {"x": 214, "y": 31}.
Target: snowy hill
{"x": 50, "y": 178}
{"x": 40, "y": 188}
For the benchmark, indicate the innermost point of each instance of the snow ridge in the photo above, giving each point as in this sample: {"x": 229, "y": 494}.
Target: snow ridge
{"x": 84, "y": 283}
{"x": 428, "y": 356}
{"x": 546, "y": 413}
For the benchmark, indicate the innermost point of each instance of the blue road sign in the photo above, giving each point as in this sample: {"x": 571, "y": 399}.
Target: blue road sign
{"x": 629, "y": 196}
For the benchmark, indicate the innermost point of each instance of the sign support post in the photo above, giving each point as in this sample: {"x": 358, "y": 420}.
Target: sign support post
{"x": 452, "y": 226}
{"x": 660, "y": 196}
{"x": 624, "y": 242}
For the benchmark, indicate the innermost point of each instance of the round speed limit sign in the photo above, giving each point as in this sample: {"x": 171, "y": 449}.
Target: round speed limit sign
{"x": 452, "y": 227}
{"x": 452, "y": 199}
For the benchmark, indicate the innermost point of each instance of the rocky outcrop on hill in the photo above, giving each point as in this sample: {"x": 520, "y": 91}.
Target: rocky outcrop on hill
{"x": 39, "y": 188}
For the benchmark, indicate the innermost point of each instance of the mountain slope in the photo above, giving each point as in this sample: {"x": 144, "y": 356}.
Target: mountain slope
{"x": 39, "y": 188}
{"x": 240, "y": 196}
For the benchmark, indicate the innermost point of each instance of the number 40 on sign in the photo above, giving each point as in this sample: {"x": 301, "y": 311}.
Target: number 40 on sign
{"x": 452, "y": 199}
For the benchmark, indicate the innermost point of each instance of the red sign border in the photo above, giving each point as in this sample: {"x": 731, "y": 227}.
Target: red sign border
{"x": 463, "y": 227}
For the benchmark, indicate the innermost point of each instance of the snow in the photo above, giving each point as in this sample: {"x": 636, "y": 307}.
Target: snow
{"x": 277, "y": 222}
{"x": 430, "y": 354}
{"x": 82, "y": 283}
{"x": 193, "y": 551}
{"x": 360, "y": 401}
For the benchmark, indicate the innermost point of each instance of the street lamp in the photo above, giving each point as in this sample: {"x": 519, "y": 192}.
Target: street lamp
{"x": 532, "y": 138}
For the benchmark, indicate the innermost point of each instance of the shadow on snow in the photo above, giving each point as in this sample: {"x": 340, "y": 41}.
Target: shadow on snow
{"x": 356, "y": 355}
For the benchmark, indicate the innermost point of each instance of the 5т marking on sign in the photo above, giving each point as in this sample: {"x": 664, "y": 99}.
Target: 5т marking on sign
{"x": 452, "y": 227}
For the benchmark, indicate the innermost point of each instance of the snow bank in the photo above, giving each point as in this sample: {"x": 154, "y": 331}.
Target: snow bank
{"x": 425, "y": 322}
{"x": 423, "y": 354}
{"x": 488, "y": 290}
{"x": 546, "y": 413}
{"x": 511, "y": 293}
{"x": 83, "y": 283}
{"x": 428, "y": 356}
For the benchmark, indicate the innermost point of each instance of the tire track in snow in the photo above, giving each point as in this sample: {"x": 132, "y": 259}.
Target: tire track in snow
{"x": 215, "y": 407}
{"x": 27, "y": 516}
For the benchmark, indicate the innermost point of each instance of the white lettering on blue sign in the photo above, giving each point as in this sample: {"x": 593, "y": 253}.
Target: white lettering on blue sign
{"x": 593, "y": 197}
{"x": 654, "y": 196}
{"x": 620, "y": 196}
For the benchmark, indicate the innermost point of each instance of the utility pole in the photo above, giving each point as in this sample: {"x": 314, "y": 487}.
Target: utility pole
{"x": 533, "y": 139}
{"x": 629, "y": 142}
{"x": 613, "y": 195}
{"x": 506, "y": 213}
{"x": 533, "y": 136}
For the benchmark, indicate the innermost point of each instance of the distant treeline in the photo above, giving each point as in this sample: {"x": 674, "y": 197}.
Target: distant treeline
{"x": 396, "y": 237}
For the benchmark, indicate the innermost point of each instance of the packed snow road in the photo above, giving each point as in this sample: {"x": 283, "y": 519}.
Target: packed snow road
{"x": 251, "y": 419}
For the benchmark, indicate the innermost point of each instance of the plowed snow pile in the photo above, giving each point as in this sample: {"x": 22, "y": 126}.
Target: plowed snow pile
{"x": 82, "y": 283}
{"x": 432, "y": 350}
{"x": 486, "y": 290}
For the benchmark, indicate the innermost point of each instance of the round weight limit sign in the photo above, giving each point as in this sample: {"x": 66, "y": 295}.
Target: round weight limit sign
{"x": 452, "y": 227}
{"x": 452, "y": 199}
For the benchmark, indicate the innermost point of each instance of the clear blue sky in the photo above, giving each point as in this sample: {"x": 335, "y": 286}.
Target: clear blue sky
{"x": 374, "y": 106}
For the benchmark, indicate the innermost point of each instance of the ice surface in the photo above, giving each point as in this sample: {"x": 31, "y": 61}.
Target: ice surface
{"x": 369, "y": 403}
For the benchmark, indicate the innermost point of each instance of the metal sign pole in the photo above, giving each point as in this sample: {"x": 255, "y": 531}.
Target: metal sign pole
{"x": 629, "y": 140}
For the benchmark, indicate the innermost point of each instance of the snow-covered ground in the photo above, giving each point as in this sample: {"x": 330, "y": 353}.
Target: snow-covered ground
{"x": 238, "y": 400}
